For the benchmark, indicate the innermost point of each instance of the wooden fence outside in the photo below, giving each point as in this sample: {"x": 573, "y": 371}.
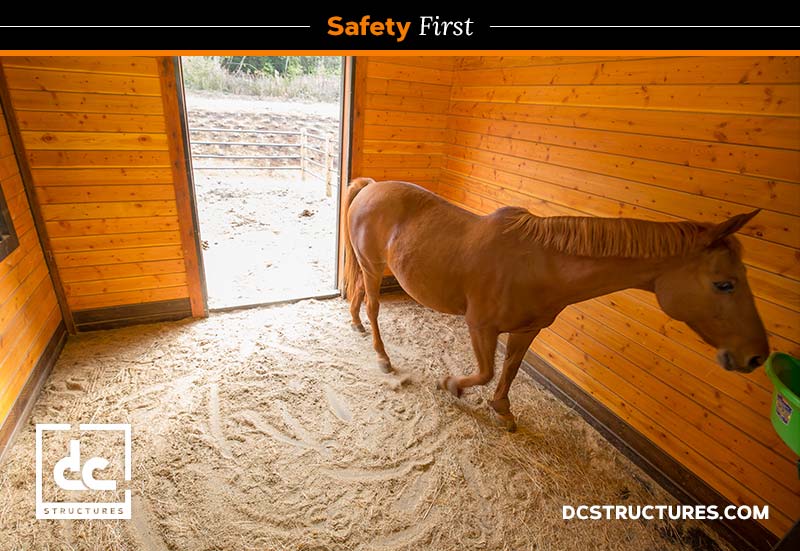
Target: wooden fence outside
{"x": 309, "y": 152}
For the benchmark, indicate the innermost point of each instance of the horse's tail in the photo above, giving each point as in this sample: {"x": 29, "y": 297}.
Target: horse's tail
{"x": 352, "y": 271}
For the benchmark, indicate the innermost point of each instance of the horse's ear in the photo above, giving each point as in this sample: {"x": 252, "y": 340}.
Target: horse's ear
{"x": 729, "y": 226}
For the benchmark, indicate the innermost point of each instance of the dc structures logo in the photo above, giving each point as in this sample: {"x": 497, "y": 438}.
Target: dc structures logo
{"x": 83, "y": 481}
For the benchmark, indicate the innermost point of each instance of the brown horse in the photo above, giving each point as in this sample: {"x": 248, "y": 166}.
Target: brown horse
{"x": 513, "y": 272}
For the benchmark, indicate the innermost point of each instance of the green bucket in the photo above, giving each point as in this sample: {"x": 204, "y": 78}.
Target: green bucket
{"x": 784, "y": 371}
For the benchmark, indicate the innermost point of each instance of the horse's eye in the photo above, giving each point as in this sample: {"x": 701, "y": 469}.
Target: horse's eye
{"x": 724, "y": 286}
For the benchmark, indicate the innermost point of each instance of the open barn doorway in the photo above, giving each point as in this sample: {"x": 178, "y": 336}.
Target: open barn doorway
{"x": 264, "y": 134}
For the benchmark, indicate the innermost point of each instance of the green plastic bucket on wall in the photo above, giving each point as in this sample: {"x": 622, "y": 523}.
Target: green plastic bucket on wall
{"x": 784, "y": 372}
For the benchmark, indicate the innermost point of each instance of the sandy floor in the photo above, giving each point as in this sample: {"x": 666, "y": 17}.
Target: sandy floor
{"x": 268, "y": 235}
{"x": 273, "y": 429}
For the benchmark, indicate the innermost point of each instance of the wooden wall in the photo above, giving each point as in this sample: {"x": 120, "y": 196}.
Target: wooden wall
{"x": 99, "y": 137}
{"x": 399, "y": 128}
{"x": 29, "y": 312}
{"x": 656, "y": 139}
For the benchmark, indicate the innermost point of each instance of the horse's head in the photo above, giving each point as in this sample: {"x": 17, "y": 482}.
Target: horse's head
{"x": 711, "y": 295}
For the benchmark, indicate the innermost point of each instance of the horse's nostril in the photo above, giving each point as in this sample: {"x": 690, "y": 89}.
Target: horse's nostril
{"x": 755, "y": 361}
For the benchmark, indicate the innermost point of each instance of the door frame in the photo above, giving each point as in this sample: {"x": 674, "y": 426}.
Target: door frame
{"x": 183, "y": 162}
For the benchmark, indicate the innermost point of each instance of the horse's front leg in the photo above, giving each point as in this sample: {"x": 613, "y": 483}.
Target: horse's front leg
{"x": 484, "y": 342}
{"x": 516, "y": 347}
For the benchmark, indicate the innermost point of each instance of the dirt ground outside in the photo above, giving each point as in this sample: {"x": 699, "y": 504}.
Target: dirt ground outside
{"x": 268, "y": 235}
{"x": 273, "y": 429}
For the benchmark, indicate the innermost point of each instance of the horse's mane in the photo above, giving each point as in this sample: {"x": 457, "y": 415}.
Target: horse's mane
{"x": 610, "y": 237}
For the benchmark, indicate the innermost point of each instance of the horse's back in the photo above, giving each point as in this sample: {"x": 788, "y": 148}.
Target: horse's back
{"x": 421, "y": 237}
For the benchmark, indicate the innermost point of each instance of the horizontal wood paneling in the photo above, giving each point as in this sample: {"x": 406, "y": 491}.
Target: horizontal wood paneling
{"x": 95, "y": 136}
{"x": 29, "y": 312}
{"x": 106, "y": 65}
{"x": 400, "y": 124}
{"x": 651, "y": 138}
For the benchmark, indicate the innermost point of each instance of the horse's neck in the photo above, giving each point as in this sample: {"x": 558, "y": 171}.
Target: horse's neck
{"x": 587, "y": 277}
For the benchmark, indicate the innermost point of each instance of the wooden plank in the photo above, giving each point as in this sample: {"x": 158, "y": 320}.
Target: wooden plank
{"x": 14, "y": 304}
{"x": 756, "y": 99}
{"x": 121, "y": 256}
{"x": 117, "y": 271}
{"x": 94, "y": 83}
{"x": 406, "y": 104}
{"x": 113, "y": 317}
{"x": 30, "y": 100}
{"x": 90, "y": 122}
{"x": 122, "y": 65}
{"x": 763, "y": 131}
{"x": 723, "y": 157}
{"x": 403, "y": 147}
{"x": 180, "y": 160}
{"x": 126, "y": 209}
{"x": 391, "y": 118}
{"x": 377, "y": 69}
{"x": 416, "y": 134}
{"x": 386, "y": 160}
{"x": 8, "y": 165}
{"x": 102, "y": 226}
{"x": 472, "y": 63}
{"x": 128, "y": 160}
{"x": 413, "y": 175}
{"x": 685, "y": 70}
{"x": 102, "y": 193}
{"x": 445, "y": 63}
{"x": 28, "y": 241}
{"x": 126, "y": 284}
{"x": 12, "y": 185}
{"x": 16, "y": 276}
{"x": 128, "y": 297}
{"x": 36, "y": 140}
{"x": 101, "y": 176}
{"x": 475, "y": 191}
{"x": 119, "y": 241}
{"x": 406, "y": 88}
{"x": 774, "y": 288}
{"x": 27, "y": 320}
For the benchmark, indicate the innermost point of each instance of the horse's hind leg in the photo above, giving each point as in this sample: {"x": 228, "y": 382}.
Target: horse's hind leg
{"x": 355, "y": 305}
{"x": 372, "y": 288}
{"x": 484, "y": 342}
{"x": 517, "y": 346}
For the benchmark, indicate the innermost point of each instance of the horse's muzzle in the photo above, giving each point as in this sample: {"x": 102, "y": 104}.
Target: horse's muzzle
{"x": 726, "y": 360}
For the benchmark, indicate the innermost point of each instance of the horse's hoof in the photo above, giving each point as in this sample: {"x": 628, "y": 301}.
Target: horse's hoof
{"x": 503, "y": 415}
{"x": 385, "y": 366}
{"x": 358, "y": 327}
{"x": 449, "y": 383}
{"x": 507, "y": 421}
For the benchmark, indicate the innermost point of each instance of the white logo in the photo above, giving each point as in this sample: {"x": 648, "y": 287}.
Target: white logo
{"x": 90, "y": 478}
